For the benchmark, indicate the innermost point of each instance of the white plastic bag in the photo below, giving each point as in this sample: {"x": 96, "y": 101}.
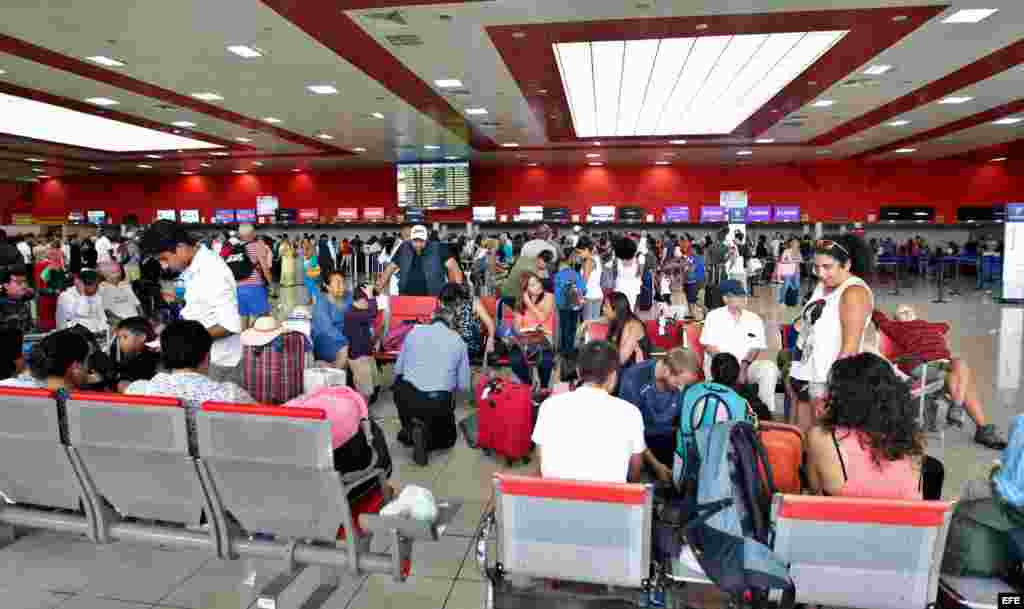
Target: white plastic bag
{"x": 318, "y": 378}
{"x": 414, "y": 502}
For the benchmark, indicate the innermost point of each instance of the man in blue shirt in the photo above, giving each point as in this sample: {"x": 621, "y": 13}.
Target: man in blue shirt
{"x": 654, "y": 387}
{"x": 432, "y": 365}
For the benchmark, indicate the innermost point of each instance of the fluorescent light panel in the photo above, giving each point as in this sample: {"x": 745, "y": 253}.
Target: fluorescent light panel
{"x": 106, "y": 61}
{"x": 899, "y": 123}
{"x": 476, "y": 111}
{"x": 955, "y": 99}
{"x": 970, "y": 15}
{"x": 701, "y": 85}
{"x": 323, "y": 89}
{"x": 245, "y": 52}
{"x": 448, "y": 83}
{"x": 359, "y": 149}
{"x": 207, "y": 96}
{"x": 102, "y": 101}
{"x": 184, "y": 124}
{"x": 877, "y": 70}
{"x": 42, "y": 121}
{"x": 1012, "y": 120}
{"x": 906, "y": 150}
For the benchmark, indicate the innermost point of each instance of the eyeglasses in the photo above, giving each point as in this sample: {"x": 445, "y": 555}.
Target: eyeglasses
{"x": 827, "y": 244}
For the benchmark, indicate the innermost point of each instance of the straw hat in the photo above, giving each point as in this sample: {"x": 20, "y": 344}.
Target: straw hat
{"x": 262, "y": 332}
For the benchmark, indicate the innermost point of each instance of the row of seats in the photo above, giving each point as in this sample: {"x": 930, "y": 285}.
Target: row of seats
{"x": 879, "y": 554}
{"x": 261, "y": 484}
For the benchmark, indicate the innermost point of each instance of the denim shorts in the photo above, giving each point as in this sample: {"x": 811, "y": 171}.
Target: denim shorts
{"x": 253, "y": 300}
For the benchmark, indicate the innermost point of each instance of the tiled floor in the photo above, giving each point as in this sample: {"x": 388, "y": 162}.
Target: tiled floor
{"x": 46, "y": 570}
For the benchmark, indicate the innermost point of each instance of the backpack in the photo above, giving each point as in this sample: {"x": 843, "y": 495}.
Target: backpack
{"x": 239, "y": 262}
{"x": 571, "y": 300}
{"x": 730, "y": 531}
{"x": 699, "y": 408}
{"x": 645, "y": 300}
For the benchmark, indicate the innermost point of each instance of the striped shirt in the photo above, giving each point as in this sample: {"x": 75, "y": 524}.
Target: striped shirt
{"x": 919, "y": 338}
{"x": 260, "y": 256}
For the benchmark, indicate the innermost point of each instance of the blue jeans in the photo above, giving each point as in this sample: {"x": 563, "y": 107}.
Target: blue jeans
{"x": 567, "y": 322}
{"x": 546, "y": 364}
{"x": 791, "y": 281}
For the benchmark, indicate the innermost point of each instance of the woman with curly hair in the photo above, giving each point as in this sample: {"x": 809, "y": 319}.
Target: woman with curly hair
{"x": 868, "y": 443}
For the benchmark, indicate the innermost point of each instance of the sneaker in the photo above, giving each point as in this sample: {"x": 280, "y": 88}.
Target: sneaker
{"x": 956, "y": 416}
{"x": 989, "y": 436}
{"x": 419, "y": 444}
{"x": 931, "y": 415}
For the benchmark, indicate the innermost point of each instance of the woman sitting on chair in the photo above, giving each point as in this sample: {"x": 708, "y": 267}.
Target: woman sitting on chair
{"x": 535, "y": 314}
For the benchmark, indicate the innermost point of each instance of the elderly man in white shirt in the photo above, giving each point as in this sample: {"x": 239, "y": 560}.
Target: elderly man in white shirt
{"x": 733, "y": 329}
{"x": 210, "y": 293}
{"x": 80, "y": 305}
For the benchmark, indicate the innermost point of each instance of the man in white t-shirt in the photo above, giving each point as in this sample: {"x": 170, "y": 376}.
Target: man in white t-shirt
{"x": 588, "y": 434}
{"x": 104, "y": 247}
{"x": 733, "y": 329}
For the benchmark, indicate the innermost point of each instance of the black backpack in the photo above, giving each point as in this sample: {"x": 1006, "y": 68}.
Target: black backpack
{"x": 570, "y": 296}
{"x": 239, "y": 262}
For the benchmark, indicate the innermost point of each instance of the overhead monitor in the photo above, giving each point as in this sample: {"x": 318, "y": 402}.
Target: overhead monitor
{"x": 712, "y": 213}
{"x": 759, "y": 213}
{"x": 556, "y": 214}
{"x": 309, "y": 215}
{"x": 631, "y": 214}
{"x": 167, "y": 214}
{"x": 286, "y": 216}
{"x": 246, "y": 215}
{"x": 266, "y": 205}
{"x": 918, "y": 214}
{"x": 531, "y": 213}
{"x": 190, "y": 216}
{"x": 96, "y": 216}
{"x": 786, "y": 213}
{"x": 602, "y": 213}
{"x": 76, "y": 217}
{"x": 224, "y": 216}
{"x": 374, "y": 214}
{"x": 676, "y": 214}
{"x": 433, "y": 185}
{"x": 415, "y": 214}
{"x": 485, "y": 214}
{"x": 347, "y": 214}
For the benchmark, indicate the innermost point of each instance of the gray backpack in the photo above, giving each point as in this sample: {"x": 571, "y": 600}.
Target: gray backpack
{"x": 730, "y": 529}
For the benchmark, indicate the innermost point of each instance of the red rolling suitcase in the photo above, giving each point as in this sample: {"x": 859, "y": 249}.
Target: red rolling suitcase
{"x": 666, "y": 334}
{"x": 504, "y": 417}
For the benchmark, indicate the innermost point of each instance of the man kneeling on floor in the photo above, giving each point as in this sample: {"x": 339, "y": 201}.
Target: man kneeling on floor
{"x": 654, "y": 387}
{"x": 432, "y": 365}
{"x": 588, "y": 434}
{"x": 925, "y": 341}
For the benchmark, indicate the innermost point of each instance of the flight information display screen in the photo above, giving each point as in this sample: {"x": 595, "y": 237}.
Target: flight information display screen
{"x": 433, "y": 185}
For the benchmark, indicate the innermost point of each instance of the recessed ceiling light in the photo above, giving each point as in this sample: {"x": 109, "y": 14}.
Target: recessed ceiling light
{"x": 702, "y": 26}
{"x": 377, "y": 115}
{"x": 597, "y": 143}
{"x": 906, "y": 150}
{"x": 187, "y": 173}
{"x": 970, "y": 15}
{"x": 476, "y": 111}
{"x": 533, "y": 164}
{"x": 94, "y": 167}
{"x": 593, "y": 155}
{"x": 207, "y": 96}
{"x": 106, "y": 61}
{"x": 37, "y": 170}
{"x": 955, "y": 100}
{"x": 257, "y": 164}
{"x": 823, "y": 103}
{"x": 670, "y": 154}
{"x": 296, "y": 170}
{"x": 510, "y": 145}
{"x": 102, "y": 101}
{"x": 519, "y": 35}
{"x": 595, "y": 164}
{"x": 878, "y": 69}
{"x": 144, "y": 166}
{"x": 998, "y": 159}
{"x": 2, "y": 72}
{"x": 899, "y": 123}
{"x": 899, "y": 18}
{"x": 326, "y": 136}
{"x": 677, "y": 142}
{"x": 448, "y": 83}
{"x": 245, "y": 52}
{"x": 244, "y": 140}
{"x": 154, "y": 156}
{"x": 359, "y": 149}
{"x": 239, "y": 171}
{"x": 662, "y": 163}
{"x": 183, "y": 124}
{"x": 206, "y": 164}
{"x": 33, "y": 159}
{"x": 431, "y": 147}
{"x": 44, "y": 177}
{"x": 1012, "y": 120}
{"x": 745, "y": 153}
{"x": 323, "y": 89}
{"x": 766, "y": 140}
{"x": 451, "y": 158}
{"x": 272, "y": 120}
{"x": 220, "y": 154}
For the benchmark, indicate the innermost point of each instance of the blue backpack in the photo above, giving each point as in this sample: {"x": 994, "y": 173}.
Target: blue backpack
{"x": 701, "y": 406}
{"x": 645, "y": 300}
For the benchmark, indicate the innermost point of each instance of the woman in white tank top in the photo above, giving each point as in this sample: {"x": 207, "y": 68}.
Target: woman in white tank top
{"x": 832, "y": 323}
{"x": 594, "y": 295}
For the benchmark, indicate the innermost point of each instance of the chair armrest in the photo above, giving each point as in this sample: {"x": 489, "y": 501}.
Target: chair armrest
{"x": 414, "y": 529}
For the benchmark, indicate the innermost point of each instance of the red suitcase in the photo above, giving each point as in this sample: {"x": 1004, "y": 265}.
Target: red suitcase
{"x": 504, "y": 417}
{"x": 674, "y": 334}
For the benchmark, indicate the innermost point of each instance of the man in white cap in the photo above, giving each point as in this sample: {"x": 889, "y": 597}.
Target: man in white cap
{"x": 424, "y": 266}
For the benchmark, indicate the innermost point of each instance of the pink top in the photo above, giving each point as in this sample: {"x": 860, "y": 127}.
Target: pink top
{"x": 893, "y": 480}
{"x": 528, "y": 320}
{"x": 343, "y": 406}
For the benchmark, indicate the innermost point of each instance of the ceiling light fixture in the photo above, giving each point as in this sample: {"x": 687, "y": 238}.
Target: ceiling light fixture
{"x": 154, "y": 156}
{"x": 323, "y": 89}
{"x": 206, "y": 164}
{"x": 431, "y": 147}
{"x": 593, "y": 155}
{"x": 823, "y": 103}
{"x": 899, "y": 123}
{"x": 905, "y": 150}
{"x": 377, "y": 115}
{"x": 597, "y": 143}
{"x": 359, "y": 149}
{"x": 476, "y": 111}
{"x": 451, "y": 158}
{"x": 1012, "y": 120}
{"x": 998, "y": 159}
{"x": 44, "y": 177}
{"x": 956, "y": 100}
{"x": 878, "y": 69}
{"x": 510, "y": 145}
{"x": 37, "y": 170}
{"x": 533, "y": 164}
{"x": 43, "y": 121}
{"x": 144, "y": 166}
{"x": 970, "y": 15}
{"x": 448, "y": 83}
{"x": 704, "y": 84}
{"x": 207, "y": 96}
{"x": 33, "y": 159}
{"x": 272, "y": 120}
{"x": 766, "y": 140}
{"x": 102, "y": 101}
{"x": 326, "y": 136}
{"x": 257, "y": 164}
{"x": 595, "y": 164}
{"x": 94, "y": 167}
{"x": 677, "y": 142}
{"x": 106, "y": 61}
{"x": 296, "y": 170}
{"x": 2, "y": 72}
{"x": 184, "y": 124}
{"x": 220, "y": 154}
{"x": 662, "y": 163}
{"x": 745, "y": 153}
{"x": 239, "y": 171}
{"x": 244, "y": 140}
{"x": 187, "y": 173}
{"x": 245, "y": 52}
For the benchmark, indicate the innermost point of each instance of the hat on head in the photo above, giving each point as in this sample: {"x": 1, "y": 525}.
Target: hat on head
{"x": 731, "y": 287}
{"x": 262, "y": 332}
{"x": 419, "y": 232}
